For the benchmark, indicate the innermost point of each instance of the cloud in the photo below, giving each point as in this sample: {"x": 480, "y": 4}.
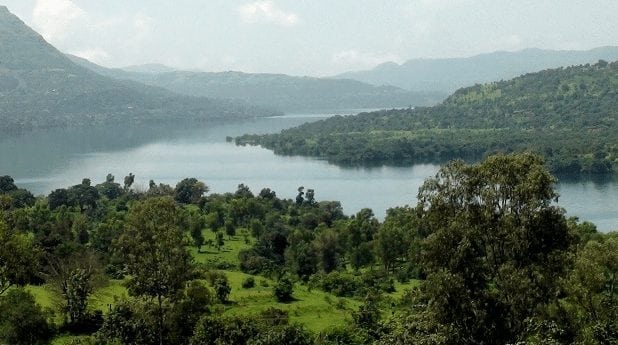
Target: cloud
{"x": 353, "y": 59}
{"x": 53, "y": 18}
{"x": 267, "y": 12}
{"x": 94, "y": 55}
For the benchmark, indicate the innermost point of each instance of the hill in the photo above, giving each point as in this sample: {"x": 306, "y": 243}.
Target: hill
{"x": 41, "y": 87}
{"x": 448, "y": 75}
{"x": 283, "y": 92}
{"x": 567, "y": 114}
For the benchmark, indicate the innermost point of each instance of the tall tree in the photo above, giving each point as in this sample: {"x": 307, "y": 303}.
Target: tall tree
{"x": 190, "y": 191}
{"x": 154, "y": 250}
{"x": 19, "y": 258}
{"x": 495, "y": 249}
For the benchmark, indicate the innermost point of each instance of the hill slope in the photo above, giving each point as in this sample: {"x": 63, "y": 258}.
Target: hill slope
{"x": 448, "y": 75}
{"x": 569, "y": 115}
{"x": 286, "y": 93}
{"x": 41, "y": 87}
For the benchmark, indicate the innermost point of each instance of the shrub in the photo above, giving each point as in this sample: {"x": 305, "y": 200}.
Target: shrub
{"x": 283, "y": 290}
{"x": 248, "y": 283}
{"x": 222, "y": 289}
{"x": 22, "y": 321}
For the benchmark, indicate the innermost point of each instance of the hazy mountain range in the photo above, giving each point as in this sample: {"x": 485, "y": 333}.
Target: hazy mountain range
{"x": 280, "y": 91}
{"x": 41, "y": 87}
{"x": 448, "y": 75}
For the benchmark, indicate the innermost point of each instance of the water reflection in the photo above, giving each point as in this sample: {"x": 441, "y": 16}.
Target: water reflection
{"x": 44, "y": 160}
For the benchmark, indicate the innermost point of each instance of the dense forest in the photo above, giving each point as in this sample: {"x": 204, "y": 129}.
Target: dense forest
{"x": 485, "y": 257}
{"x": 568, "y": 115}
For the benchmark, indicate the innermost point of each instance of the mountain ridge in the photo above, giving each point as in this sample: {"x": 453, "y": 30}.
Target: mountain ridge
{"x": 281, "y": 91}
{"x": 569, "y": 115}
{"x": 450, "y": 74}
{"x": 41, "y": 87}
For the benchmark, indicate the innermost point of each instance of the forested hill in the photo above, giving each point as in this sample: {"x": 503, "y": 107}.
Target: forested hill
{"x": 569, "y": 115}
{"x": 283, "y": 92}
{"x": 448, "y": 75}
{"x": 41, "y": 87}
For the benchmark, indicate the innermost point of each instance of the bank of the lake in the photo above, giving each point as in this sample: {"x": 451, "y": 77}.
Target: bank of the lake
{"x": 44, "y": 160}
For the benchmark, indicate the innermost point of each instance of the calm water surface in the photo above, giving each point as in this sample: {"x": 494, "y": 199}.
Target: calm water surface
{"x": 44, "y": 160}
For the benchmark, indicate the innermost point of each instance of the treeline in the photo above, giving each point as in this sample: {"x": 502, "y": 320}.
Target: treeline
{"x": 493, "y": 261}
{"x": 568, "y": 115}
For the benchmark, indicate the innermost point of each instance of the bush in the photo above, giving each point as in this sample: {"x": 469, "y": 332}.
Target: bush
{"x": 283, "y": 290}
{"x": 217, "y": 330}
{"x": 288, "y": 335}
{"x": 22, "y": 321}
{"x": 248, "y": 283}
{"x": 212, "y": 276}
{"x": 222, "y": 289}
{"x": 274, "y": 317}
{"x": 337, "y": 283}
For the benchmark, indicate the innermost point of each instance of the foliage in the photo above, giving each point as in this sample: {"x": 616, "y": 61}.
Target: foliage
{"x": 18, "y": 258}
{"x": 217, "y": 330}
{"x": 22, "y": 322}
{"x": 496, "y": 246}
{"x": 222, "y": 289}
{"x": 568, "y": 115}
{"x": 283, "y": 289}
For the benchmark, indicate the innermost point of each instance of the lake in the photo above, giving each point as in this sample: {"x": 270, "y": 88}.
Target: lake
{"x": 45, "y": 160}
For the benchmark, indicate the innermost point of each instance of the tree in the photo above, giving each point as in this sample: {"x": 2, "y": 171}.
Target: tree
{"x": 189, "y": 191}
{"x": 222, "y": 289}
{"x": 328, "y": 249}
{"x": 196, "y": 225}
{"x": 22, "y": 321}
{"x": 496, "y": 246}
{"x": 593, "y": 292}
{"x": 283, "y": 289}
{"x": 7, "y": 184}
{"x": 109, "y": 188}
{"x": 286, "y": 335}
{"x": 58, "y": 198}
{"x": 359, "y": 238}
{"x": 394, "y": 240}
{"x": 74, "y": 278}
{"x": 19, "y": 258}
{"x": 84, "y": 195}
{"x": 153, "y": 249}
{"x": 128, "y": 181}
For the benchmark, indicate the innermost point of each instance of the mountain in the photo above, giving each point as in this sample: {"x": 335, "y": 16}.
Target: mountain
{"x": 283, "y": 92}
{"x": 448, "y": 75}
{"x": 568, "y": 115}
{"x": 152, "y": 68}
{"x": 41, "y": 87}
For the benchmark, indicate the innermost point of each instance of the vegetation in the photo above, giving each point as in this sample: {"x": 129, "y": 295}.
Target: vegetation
{"x": 567, "y": 115}
{"x": 484, "y": 257}
{"x": 448, "y": 75}
{"x": 41, "y": 87}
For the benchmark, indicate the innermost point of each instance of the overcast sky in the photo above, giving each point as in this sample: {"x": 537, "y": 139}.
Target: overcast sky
{"x": 311, "y": 37}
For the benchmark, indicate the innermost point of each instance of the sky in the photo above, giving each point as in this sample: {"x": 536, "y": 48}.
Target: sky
{"x": 311, "y": 37}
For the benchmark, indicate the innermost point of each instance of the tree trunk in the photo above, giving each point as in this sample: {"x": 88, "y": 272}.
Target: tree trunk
{"x": 160, "y": 300}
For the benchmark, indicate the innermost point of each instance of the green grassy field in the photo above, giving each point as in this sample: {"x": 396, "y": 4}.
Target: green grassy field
{"x": 315, "y": 309}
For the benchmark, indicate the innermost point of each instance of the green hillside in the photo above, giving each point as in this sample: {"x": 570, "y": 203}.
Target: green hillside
{"x": 567, "y": 114}
{"x": 41, "y": 87}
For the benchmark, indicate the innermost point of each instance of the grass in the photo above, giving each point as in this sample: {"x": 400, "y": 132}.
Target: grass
{"x": 315, "y": 309}
{"x": 227, "y": 254}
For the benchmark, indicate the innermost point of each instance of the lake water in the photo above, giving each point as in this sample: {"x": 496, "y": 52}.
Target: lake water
{"x": 45, "y": 160}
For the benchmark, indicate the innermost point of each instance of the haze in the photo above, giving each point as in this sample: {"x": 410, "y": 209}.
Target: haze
{"x": 317, "y": 38}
